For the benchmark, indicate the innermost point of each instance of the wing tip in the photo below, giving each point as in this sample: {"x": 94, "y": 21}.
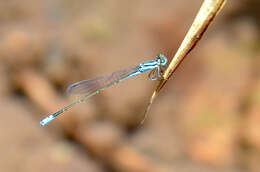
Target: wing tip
{"x": 69, "y": 90}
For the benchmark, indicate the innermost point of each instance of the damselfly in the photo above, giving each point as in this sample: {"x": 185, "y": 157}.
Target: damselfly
{"x": 92, "y": 87}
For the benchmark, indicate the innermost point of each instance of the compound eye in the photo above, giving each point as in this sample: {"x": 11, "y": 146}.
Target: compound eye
{"x": 163, "y": 59}
{"x": 160, "y": 56}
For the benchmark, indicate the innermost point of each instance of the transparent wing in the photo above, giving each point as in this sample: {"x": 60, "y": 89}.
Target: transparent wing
{"x": 92, "y": 85}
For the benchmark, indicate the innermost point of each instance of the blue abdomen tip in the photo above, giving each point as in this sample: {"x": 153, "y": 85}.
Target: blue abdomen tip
{"x": 47, "y": 120}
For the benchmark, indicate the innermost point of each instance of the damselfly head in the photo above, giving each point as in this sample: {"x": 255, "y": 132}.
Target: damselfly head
{"x": 163, "y": 59}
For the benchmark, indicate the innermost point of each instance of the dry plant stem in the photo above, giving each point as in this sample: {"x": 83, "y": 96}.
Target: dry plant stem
{"x": 205, "y": 16}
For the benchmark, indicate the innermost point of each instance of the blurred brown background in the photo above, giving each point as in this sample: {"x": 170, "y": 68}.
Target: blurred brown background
{"x": 206, "y": 118}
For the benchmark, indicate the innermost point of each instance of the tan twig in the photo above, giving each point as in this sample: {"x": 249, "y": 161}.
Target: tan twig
{"x": 205, "y": 16}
